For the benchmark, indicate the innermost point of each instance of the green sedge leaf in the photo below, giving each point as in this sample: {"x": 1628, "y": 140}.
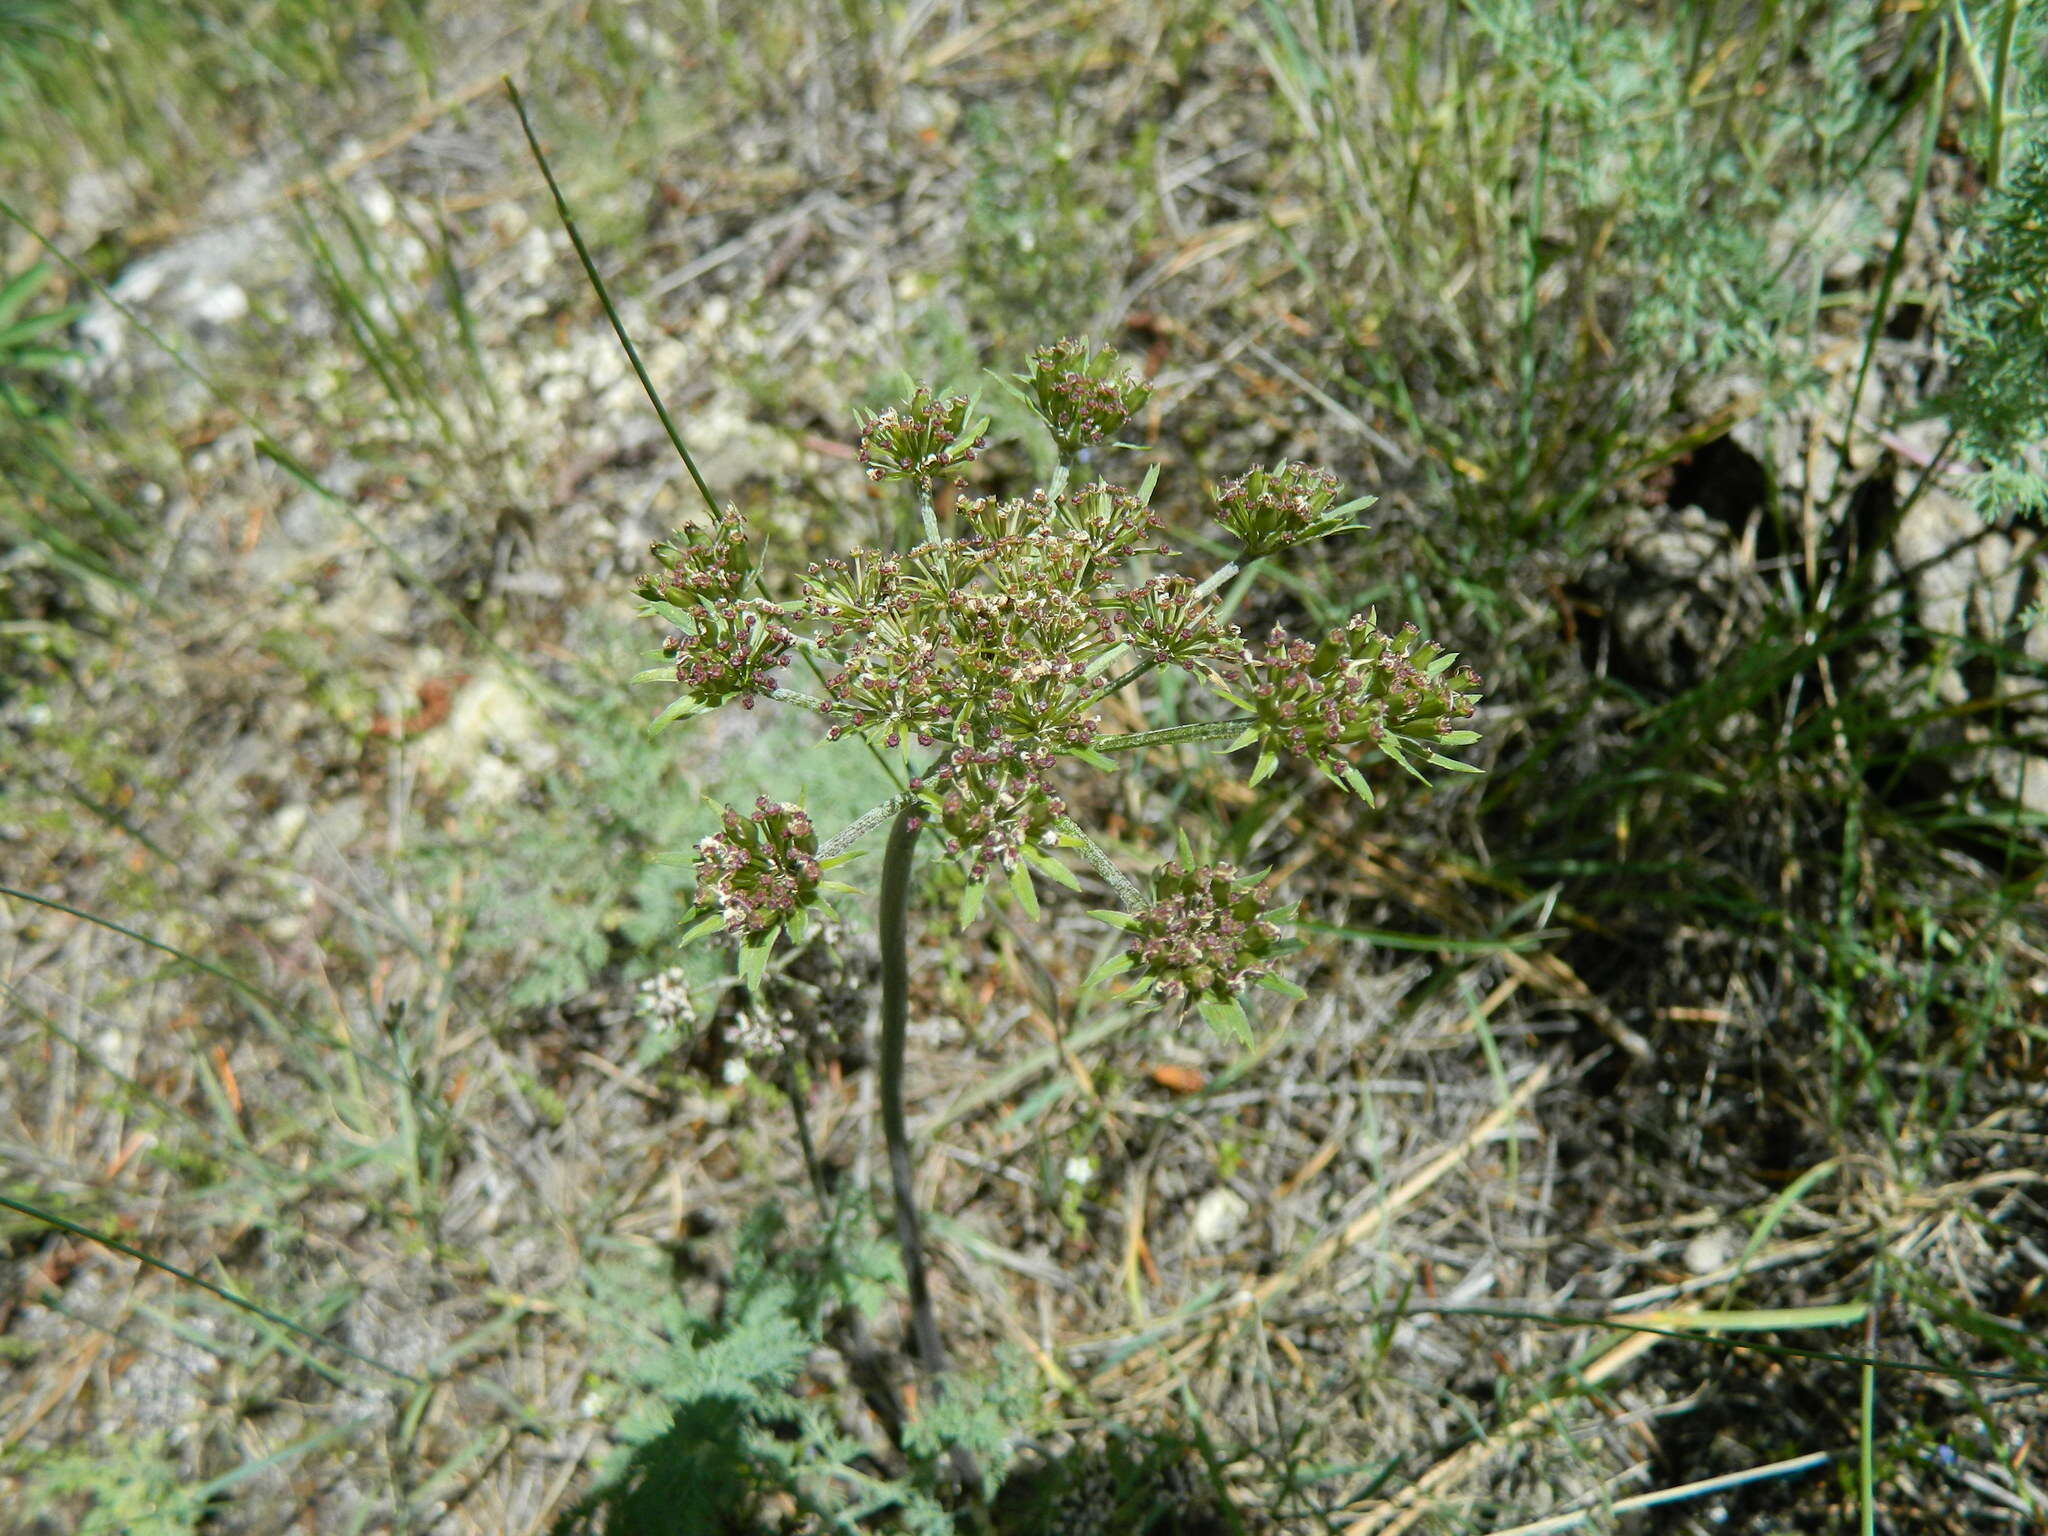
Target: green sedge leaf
{"x": 1053, "y": 869}
{"x": 1442, "y": 664}
{"x": 18, "y": 291}
{"x": 1457, "y": 738}
{"x": 1022, "y": 888}
{"x": 1281, "y": 985}
{"x": 1228, "y": 1020}
{"x": 701, "y": 927}
{"x": 1241, "y": 742}
{"x": 754, "y": 961}
{"x": 1354, "y": 781}
{"x": 12, "y": 337}
{"x": 1268, "y": 761}
{"x": 1145, "y": 488}
{"x": 652, "y": 675}
{"x": 1109, "y": 970}
{"x": 1440, "y": 761}
{"x": 682, "y": 709}
{"x": 1100, "y": 762}
{"x": 1116, "y": 919}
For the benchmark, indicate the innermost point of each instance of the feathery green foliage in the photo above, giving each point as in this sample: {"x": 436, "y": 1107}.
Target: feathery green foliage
{"x": 707, "y": 1415}
{"x": 1997, "y": 326}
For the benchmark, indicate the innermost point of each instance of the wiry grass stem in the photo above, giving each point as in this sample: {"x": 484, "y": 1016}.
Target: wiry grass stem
{"x": 604, "y": 297}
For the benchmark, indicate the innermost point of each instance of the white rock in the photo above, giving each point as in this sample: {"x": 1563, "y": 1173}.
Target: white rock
{"x": 1713, "y": 1249}
{"x": 1219, "y": 1216}
{"x": 492, "y": 740}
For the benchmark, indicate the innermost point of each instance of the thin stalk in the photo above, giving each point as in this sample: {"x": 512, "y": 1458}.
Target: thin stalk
{"x": 863, "y": 824}
{"x": 1866, "y": 1427}
{"x": 1103, "y": 865}
{"x": 1935, "y": 90}
{"x": 2008, "y": 24}
{"x": 106, "y": 1240}
{"x": 1166, "y": 736}
{"x": 792, "y": 1086}
{"x": 1216, "y": 579}
{"x": 1125, "y": 679}
{"x": 815, "y": 705}
{"x": 604, "y": 297}
{"x": 894, "y": 928}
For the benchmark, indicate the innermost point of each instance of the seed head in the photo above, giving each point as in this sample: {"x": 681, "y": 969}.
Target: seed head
{"x": 1360, "y": 685}
{"x": 760, "y": 870}
{"x": 702, "y": 565}
{"x": 1082, "y": 397}
{"x": 732, "y": 652}
{"x": 1164, "y": 620}
{"x": 989, "y": 801}
{"x": 922, "y": 439}
{"x": 1274, "y": 509}
{"x": 1206, "y": 934}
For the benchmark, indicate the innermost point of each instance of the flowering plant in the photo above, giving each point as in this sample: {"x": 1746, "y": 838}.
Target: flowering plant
{"x": 977, "y": 663}
{"x": 988, "y": 649}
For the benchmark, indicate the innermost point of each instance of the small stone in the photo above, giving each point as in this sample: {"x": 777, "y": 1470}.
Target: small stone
{"x": 1712, "y": 1250}
{"x": 1219, "y": 1216}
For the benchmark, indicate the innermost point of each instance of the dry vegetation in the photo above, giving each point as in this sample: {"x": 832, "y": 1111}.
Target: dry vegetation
{"x": 331, "y": 843}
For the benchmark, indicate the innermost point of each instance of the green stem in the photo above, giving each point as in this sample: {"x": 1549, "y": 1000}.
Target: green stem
{"x": 816, "y": 706}
{"x": 1205, "y": 730}
{"x": 1215, "y": 580}
{"x": 894, "y": 925}
{"x": 2008, "y": 23}
{"x": 863, "y": 824}
{"x": 1127, "y": 893}
{"x": 604, "y": 298}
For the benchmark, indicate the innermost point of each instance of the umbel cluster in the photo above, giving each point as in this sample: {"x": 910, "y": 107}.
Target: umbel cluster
{"x": 980, "y": 659}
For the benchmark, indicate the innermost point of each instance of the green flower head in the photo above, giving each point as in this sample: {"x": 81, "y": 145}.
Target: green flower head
{"x": 758, "y": 874}
{"x": 1205, "y": 936}
{"x": 1083, "y": 397}
{"x": 921, "y": 440}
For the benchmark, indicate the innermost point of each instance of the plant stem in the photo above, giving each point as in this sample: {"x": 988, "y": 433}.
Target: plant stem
{"x": 1128, "y": 894}
{"x": 1202, "y": 730}
{"x": 894, "y": 928}
{"x": 604, "y": 297}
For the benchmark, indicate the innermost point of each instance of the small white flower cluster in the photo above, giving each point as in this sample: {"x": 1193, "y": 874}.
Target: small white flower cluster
{"x": 753, "y": 1035}
{"x": 665, "y": 999}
